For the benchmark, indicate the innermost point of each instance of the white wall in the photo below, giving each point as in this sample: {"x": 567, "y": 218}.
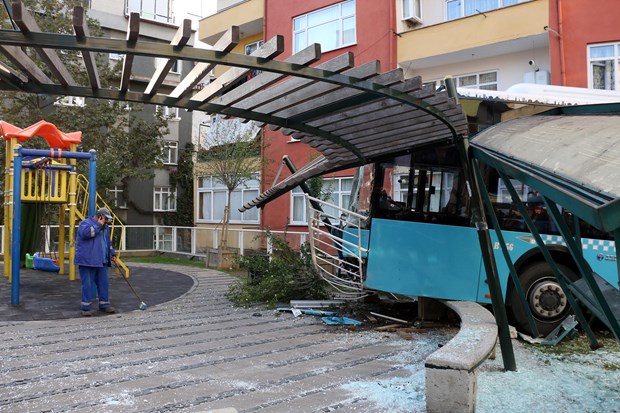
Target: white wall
{"x": 512, "y": 68}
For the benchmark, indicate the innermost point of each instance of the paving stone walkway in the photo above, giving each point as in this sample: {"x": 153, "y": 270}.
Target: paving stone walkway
{"x": 198, "y": 353}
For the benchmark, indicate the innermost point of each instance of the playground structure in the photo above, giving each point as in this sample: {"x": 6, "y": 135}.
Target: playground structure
{"x": 47, "y": 176}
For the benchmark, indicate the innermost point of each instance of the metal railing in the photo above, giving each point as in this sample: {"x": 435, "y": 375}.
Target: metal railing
{"x": 190, "y": 241}
{"x": 338, "y": 250}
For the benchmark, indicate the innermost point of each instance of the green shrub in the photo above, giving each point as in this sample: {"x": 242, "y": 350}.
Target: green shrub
{"x": 288, "y": 275}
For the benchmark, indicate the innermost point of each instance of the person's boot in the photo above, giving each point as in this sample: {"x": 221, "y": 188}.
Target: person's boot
{"x": 87, "y": 313}
{"x": 108, "y": 310}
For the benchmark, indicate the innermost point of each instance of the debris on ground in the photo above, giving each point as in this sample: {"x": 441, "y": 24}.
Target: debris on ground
{"x": 341, "y": 321}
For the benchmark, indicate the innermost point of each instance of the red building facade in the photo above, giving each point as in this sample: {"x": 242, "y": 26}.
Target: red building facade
{"x": 584, "y": 43}
{"x": 364, "y": 28}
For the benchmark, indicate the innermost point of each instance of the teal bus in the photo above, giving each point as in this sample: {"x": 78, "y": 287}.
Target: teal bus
{"x": 408, "y": 230}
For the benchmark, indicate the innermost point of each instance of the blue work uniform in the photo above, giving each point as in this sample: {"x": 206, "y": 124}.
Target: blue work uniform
{"x": 93, "y": 256}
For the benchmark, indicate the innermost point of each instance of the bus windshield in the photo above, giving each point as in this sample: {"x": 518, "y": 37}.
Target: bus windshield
{"x": 424, "y": 186}
{"x": 429, "y": 186}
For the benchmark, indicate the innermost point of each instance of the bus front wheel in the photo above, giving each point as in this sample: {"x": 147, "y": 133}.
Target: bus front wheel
{"x": 545, "y": 297}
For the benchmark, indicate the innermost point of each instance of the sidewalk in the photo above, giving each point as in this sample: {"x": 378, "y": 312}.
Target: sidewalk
{"x": 195, "y": 352}
{"x": 199, "y": 353}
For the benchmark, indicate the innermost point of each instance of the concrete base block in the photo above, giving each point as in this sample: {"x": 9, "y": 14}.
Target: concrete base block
{"x": 451, "y": 391}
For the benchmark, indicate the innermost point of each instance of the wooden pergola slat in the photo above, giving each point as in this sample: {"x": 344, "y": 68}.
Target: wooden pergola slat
{"x": 351, "y": 114}
{"x": 27, "y": 24}
{"x": 269, "y": 50}
{"x": 304, "y": 57}
{"x": 225, "y": 44}
{"x": 328, "y": 103}
{"x": 179, "y": 40}
{"x": 24, "y": 63}
{"x": 337, "y": 64}
{"x": 80, "y": 27}
{"x": 133, "y": 31}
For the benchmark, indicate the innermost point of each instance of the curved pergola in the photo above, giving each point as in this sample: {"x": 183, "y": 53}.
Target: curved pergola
{"x": 351, "y": 114}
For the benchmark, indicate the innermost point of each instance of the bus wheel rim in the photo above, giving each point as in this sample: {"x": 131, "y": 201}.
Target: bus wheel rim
{"x": 547, "y": 300}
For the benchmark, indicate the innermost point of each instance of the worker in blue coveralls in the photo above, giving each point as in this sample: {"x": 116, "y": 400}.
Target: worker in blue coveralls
{"x": 94, "y": 254}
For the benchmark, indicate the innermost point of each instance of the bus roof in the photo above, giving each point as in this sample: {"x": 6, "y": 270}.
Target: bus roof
{"x": 551, "y": 95}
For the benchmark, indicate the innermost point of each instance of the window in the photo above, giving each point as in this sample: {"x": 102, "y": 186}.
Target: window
{"x": 486, "y": 81}
{"x": 456, "y": 9}
{"x": 412, "y": 10}
{"x": 603, "y": 66}
{"x": 249, "y": 49}
{"x": 252, "y": 47}
{"x": 164, "y": 198}
{"x": 176, "y": 65}
{"x": 71, "y": 101}
{"x": 331, "y": 27}
{"x": 212, "y": 195}
{"x": 169, "y": 113}
{"x": 171, "y": 152}
{"x": 158, "y": 10}
{"x": 116, "y": 196}
{"x": 339, "y": 190}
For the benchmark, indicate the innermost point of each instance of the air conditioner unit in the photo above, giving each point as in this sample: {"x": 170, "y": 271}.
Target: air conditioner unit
{"x": 413, "y": 20}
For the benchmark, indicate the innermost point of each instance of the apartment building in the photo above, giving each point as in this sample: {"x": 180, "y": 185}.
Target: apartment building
{"x": 485, "y": 44}
{"x": 159, "y": 20}
{"x": 584, "y": 43}
{"x": 491, "y": 44}
{"x": 361, "y": 27}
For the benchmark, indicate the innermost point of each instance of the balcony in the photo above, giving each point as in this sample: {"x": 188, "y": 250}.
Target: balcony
{"x": 247, "y": 14}
{"x": 497, "y": 32}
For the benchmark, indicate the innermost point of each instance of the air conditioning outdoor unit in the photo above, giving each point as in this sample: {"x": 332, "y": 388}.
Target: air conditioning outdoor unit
{"x": 413, "y": 20}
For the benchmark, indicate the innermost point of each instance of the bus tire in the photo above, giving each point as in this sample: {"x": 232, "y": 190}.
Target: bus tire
{"x": 545, "y": 296}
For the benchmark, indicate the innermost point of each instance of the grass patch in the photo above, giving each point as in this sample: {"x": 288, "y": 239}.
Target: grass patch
{"x": 162, "y": 259}
{"x": 580, "y": 345}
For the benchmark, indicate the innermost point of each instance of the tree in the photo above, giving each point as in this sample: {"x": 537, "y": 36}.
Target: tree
{"x": 233, "y": 157}
{"x": 128, "y": 144}
{"x": 183, "y": 179}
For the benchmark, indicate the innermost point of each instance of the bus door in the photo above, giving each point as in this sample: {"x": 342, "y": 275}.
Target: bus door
{"x": 421, "y": 241}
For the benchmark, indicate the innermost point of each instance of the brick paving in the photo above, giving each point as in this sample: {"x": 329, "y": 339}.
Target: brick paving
{"x": 196, "y": 353}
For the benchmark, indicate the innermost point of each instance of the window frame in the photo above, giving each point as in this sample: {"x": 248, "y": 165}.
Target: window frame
{"x": 500, "y": 4}
{"x": 615, "y": 59}
{"x": 168, "y": 198}
{"x": 479, "y": 85}
{"x": 170, "y": 148}
{"x": 153, "y": 15}
{"x": 296, "y": 193}
{"x": 71, "y": 101}
{"x": 416, "y": 7}
{"x": 257, "y": 43}
{"x": 170, "y": 113}
{"x": 209, "y": 188}
{"x": 340, "y": 19}
{"x": 115, "y": 193}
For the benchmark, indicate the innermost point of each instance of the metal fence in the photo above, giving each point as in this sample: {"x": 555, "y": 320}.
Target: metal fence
{"x": 190, "y": 241}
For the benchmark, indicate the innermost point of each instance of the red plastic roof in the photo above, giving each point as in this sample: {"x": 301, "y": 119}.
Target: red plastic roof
{"x": 48, "y": 131}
